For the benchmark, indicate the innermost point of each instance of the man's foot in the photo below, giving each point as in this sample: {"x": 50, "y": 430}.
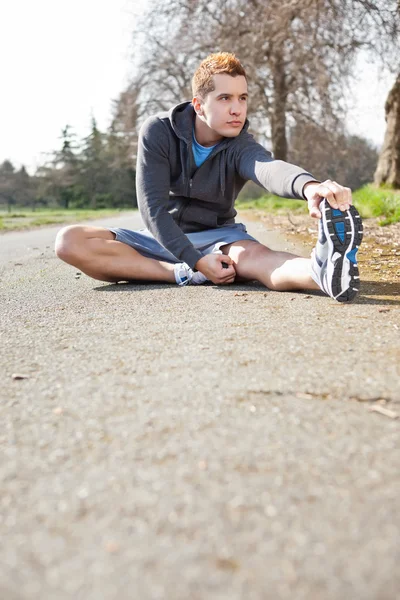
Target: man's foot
{"x": 333, "y": 260}
{"x": 184, "y": 275}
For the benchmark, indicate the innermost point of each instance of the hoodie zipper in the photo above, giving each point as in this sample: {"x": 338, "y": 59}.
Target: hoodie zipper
{"x": 180, "y": 218}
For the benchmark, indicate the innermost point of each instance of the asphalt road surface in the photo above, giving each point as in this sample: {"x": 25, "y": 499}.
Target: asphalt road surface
{"x": 197, "y": 443}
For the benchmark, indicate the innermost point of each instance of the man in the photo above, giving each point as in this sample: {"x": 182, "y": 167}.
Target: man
{"x": 192, "y": 163}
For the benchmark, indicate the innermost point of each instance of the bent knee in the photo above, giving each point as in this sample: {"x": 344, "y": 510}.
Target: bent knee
{"x": 249, "y": 251}
{"x": 69, "y": 241}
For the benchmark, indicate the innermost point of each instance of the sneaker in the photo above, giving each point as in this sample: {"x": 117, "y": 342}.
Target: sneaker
{"x": 184, "y": 275}
{"x": 333, "y": 260}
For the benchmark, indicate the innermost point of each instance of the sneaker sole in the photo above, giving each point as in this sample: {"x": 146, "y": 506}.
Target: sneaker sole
{"x": 344, "y": 232}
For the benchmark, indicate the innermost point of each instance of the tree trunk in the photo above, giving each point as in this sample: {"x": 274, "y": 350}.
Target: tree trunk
{"x": 388, "y": 169}
{"x": 278, "y": 116}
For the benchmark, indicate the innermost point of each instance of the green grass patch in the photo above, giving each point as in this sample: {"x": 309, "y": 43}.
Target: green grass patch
{"x": 369, "y": 200}
{"x": 273, "y": 203}
{"x": 378, "y": 202}
{"x": 28, "y": 219}
{"x": 45, "y": 221}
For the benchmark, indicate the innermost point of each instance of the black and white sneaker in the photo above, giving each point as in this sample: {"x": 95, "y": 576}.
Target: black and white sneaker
{"x": 333, "y": 260}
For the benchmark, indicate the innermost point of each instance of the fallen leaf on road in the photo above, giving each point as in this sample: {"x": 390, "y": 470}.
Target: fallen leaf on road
{"x": 241, "y": 293}
{"x": 383, "y": 411}
{"x": 18, "y": 376}
{"x": 307, "y": 297}
{"x": 383, "y": 309}
{"x": 227, "y": 564}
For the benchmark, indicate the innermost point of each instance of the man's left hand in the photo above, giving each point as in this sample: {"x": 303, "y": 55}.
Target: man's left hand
{"x": 337, "y": 196}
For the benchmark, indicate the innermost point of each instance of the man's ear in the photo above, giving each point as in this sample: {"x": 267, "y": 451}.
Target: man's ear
{"x": 198, "y": 105}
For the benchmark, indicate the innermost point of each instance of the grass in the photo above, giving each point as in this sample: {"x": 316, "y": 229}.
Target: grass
{"x": 273, "y": 204}
{"x": 378, "y": 202}
{"x": 369, "y": 200}
{"x": 28, "y": 219}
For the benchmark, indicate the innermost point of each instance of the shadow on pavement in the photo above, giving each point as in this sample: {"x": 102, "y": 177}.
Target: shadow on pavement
{"x": 142, "y": 286}
{"x": 379, "y": 292}
{"x": 372, "y": 292}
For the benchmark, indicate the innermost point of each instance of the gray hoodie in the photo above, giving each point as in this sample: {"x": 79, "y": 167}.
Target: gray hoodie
{"x": 175, "y": 197}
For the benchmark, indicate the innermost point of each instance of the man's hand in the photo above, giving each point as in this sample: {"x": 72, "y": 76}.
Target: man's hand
{"x": 337, "y": 196}
{"x": 211, "y": 266}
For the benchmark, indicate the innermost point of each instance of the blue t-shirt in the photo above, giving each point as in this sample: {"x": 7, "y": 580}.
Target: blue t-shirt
{"x": 200, "y": 152}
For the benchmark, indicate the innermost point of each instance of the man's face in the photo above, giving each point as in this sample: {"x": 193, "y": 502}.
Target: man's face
{"x": 224, "y": 110}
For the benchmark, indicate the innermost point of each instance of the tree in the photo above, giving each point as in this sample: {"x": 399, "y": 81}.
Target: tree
{"x": 125, "y": 121}
{"x": 95, "y": 172}
{"x": 121, "y": 182}
{"x": 348, "y": 159}
{"x": 58, "y": 179}
{"x": 24, "y": 188}
{"x": 388, "y": 169}
{"x": 17, "y": 188}
{"x": 7, "y": 184}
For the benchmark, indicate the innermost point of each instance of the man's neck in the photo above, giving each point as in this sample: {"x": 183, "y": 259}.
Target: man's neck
{"x": 205, "y": 136}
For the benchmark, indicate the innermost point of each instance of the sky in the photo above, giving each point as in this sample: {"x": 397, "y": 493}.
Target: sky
{"x": 64, "y": 61}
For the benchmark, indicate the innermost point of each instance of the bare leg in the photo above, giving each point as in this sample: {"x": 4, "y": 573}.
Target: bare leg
{"x": 95, "y": 252}
{"x": 277, "y": 270}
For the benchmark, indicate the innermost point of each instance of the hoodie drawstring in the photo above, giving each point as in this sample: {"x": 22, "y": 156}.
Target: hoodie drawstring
{"x": 183, "y": 161}
{"x": 222, "y": 169}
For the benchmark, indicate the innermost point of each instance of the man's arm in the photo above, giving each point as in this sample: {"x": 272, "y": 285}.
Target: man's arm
{"x": 254, "y": 162}
{"x": 289, "y": 181}
{"x": 153, "y": 187}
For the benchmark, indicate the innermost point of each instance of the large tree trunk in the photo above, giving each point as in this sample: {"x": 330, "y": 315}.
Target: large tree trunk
{"x": 278, "y": 116}
{"x": 388, "y": 169}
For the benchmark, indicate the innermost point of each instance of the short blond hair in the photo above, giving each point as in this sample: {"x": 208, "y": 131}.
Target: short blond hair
{"x": 215, "y": 64}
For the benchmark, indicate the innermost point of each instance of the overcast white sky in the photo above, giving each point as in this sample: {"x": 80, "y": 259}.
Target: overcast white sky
{"x": 63, "y": 60}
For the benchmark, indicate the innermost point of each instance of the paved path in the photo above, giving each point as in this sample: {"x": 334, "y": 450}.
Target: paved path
{"x": 199, "y": 443}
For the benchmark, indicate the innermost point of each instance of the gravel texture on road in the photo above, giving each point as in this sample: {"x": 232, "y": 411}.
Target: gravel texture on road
{"x": 197, "y": 443}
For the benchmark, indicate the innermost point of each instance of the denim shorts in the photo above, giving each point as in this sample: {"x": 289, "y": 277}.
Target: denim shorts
{"x": 207, "y": 241}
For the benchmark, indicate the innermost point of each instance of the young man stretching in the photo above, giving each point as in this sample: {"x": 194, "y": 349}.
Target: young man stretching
{"x": 192, "y": 163}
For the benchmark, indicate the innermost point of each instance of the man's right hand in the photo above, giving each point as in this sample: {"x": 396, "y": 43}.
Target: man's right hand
{"x": 211, "y": 266}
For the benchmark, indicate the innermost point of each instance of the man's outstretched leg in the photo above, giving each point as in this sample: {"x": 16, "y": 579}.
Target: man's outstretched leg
{"x": 280, "y": 271}
{"x": 332, "y": 268}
